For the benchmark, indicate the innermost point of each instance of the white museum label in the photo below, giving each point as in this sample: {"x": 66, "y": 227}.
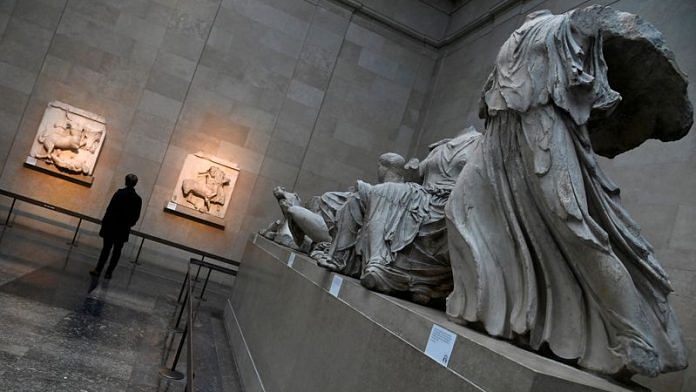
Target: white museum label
{"x": 336, "y": 285}
{"x": 31, "y": 161}
{"x": 440, "y": 344}
{"x": 171, "y": 206}
{"x": 291, "y": 259}
{"x": 255, "y": 237}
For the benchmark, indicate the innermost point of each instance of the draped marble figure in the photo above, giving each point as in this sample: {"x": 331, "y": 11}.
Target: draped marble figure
{"x": 541, "y": 249}
{"x": 517, "y": 226}
{"x": 312, "y": 225}
{"x": 392, "y": 235}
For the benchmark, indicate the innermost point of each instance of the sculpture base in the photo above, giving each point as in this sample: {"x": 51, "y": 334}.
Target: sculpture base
{"x": 193, "y": 214}
{"x": 43, "y": 167}
{"x": 297, "y": 327}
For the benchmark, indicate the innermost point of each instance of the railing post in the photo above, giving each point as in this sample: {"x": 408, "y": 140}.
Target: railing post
{"x": 205, "y": 285}
{"x": 183, "y": 286}
{"x": 172, "y": 373}
{"x": 198, "y": 272}
{"x": 77, "y": 230}
{"x": 181, "y": 312}
{"x": 140, "y": 249}
{"x": 189, "y": 353}
{"x": 9, "y": 213}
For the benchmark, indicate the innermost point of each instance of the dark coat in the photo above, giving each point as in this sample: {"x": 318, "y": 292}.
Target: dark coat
{"x": 121, "y": 214}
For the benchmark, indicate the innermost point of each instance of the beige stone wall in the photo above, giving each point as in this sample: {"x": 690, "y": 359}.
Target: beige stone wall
{"x": 657, "y": 180}
{"x": 304, "y": 94}
{"x": 300, "y": 93}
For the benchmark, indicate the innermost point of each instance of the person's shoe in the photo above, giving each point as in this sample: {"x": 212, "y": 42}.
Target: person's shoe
{"x": 107, "y": 276}
{"x": 95, "y": 272}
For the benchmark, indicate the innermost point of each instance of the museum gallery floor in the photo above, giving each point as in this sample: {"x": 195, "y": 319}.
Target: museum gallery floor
{"x": 62, "y": 331}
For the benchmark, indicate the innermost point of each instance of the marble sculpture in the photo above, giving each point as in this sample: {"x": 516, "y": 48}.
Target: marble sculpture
{"x": 318, "y": 216}
{"x": 540, "y": 246}
{"x": 518, "y": 227}
{"x": 69, "y": 138}
{"x": 205, "y": 184}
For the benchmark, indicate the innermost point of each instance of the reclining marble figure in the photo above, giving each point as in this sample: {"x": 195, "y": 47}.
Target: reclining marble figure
{"x": 541, "y": 249}
{"x": 302, "y": 227}
{"x": 390, "y": 235}
{"x": 519, "y": 228}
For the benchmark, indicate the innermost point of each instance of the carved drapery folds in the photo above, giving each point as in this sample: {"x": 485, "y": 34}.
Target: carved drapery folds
{"x": 518, "y": 227}
{"x": 541, "y": 247}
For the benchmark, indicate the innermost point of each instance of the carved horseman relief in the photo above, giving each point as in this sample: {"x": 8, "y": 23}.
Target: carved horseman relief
{"x": 68, "y": 142}
{"x": 207, "y": 191}
{"x": 204, "y": 188}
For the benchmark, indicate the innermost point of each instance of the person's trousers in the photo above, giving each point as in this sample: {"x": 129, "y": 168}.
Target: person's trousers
{"x": 115, "y": 255}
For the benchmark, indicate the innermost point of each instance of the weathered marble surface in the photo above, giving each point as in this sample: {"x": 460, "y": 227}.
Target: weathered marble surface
{"x": 69, "y": 138}
{"x": 541, "y": 249}
{"x": 315, "y": 221}
{"x": 390, "y": 235}
{"x": 205, "y": 184}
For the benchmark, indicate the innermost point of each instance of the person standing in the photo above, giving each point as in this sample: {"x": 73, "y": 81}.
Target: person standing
{"x": 121, "y": 214}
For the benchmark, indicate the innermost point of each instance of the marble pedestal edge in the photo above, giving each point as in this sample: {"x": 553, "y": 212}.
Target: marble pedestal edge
{"x": 289, "y": 333}
{"x": 250, "y": 379}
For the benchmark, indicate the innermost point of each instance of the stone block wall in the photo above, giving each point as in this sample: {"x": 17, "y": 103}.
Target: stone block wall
{"x": 300, "y": 93}
{"x": 304, "y": 94}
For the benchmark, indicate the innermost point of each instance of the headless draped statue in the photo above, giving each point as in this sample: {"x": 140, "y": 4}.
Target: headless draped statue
{"x": 541, "y": 249}
{"x": 392, "y": 235}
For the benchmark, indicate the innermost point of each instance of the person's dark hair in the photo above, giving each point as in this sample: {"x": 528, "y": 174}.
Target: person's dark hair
{"x": 131, "y": 180}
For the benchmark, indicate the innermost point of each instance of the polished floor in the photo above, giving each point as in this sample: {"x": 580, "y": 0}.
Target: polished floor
{"x": 61, "y": 330}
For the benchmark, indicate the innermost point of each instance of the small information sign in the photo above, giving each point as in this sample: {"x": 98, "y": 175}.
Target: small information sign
{"x": 440, "y": 344}
{"x": 171, "y": 206}
{"x": 336, "y": 285}
{"x": 291, "y": 260}
{"x": 31, "y": 161}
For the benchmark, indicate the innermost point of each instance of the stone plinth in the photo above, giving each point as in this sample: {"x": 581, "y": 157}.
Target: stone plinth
{"x": 289, "y": 333}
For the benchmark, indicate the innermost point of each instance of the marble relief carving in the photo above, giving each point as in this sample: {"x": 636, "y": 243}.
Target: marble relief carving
{"x": 205, "y": 184}
{"x": 541, "y": 248}
{"x": 68, "y": 138}
{"x": 518, "y": 227}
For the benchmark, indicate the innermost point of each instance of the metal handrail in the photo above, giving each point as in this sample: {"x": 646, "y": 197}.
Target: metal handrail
{"x": 83, "y": 217}
{"x": 186, "y": 333}
{"x": 191, "y": 314}
{"x": 211, "y": 267}
{"x": 189, "y": 354}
